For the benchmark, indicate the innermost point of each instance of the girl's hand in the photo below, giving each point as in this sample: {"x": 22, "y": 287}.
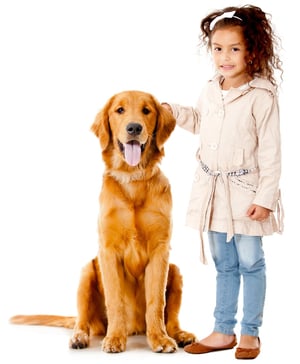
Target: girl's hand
{"x": 258, "y": 213}
{"x": 167, "y": 106}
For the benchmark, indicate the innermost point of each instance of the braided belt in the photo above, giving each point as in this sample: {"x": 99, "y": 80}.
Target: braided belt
{"x": 238, "y": 172}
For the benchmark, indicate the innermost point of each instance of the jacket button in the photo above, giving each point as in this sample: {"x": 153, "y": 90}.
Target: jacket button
{"x": 213, "y": 146}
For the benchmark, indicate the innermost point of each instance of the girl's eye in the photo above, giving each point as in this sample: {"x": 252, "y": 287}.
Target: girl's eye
{"x": 235, "y": 49}
{"x": 217, "y": 49}
{"x": 120, "y": 110}
{"x": 146, "y": 111}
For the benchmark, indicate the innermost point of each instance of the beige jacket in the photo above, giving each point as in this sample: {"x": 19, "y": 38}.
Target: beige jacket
{"x": 239, "y": 132}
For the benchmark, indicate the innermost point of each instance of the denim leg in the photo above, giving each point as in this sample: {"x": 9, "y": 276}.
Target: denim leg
{"x": 228, "y": 282}
{"x": 253, "y": 270}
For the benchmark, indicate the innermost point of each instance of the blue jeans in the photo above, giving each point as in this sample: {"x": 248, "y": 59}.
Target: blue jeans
{"x": 242, "y": 256}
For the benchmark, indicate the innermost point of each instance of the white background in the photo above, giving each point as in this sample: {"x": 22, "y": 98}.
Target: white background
{"x": 60, "y": 61}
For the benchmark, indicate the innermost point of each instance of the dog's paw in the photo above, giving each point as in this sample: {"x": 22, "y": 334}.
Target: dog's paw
{"x": 114, "y": 344}
{"x": 162, "y": 344}
{"x": 79, "y": 340}
{"x": 184, "y": 338}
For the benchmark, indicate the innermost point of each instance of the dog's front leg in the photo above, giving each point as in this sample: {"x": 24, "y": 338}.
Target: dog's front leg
{"x": 113, "y": 283}
{"x": 155, "y": 286}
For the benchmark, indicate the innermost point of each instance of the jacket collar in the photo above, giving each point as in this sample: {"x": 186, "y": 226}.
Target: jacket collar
{"x": 257, "y": 82}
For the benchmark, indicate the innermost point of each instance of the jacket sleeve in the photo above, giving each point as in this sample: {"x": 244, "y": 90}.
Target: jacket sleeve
{"x": 266, "y": 113}
{"x": 187, "y": 117}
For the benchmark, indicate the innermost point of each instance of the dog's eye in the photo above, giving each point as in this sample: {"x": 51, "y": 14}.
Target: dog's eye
{"x": 120, "y": 110}
{"x": 146, "y": 111}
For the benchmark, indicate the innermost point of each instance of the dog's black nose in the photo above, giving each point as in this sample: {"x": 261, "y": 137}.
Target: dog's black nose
{"x": 134, "y": 128}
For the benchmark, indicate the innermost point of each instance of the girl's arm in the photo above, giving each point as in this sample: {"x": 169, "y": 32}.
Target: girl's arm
{"x": 186, "y": 117}
{"x": 269, "y": 151}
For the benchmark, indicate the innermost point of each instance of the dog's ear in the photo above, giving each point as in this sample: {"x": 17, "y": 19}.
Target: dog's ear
{"x": 165, "y": 125}
{"x": 101, "y": 127}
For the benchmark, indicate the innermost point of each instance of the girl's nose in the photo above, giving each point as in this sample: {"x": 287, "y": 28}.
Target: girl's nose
{"x": 226, "y": 56}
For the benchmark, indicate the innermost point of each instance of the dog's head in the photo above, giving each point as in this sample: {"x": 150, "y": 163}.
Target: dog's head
{"x": 132, "y": 128}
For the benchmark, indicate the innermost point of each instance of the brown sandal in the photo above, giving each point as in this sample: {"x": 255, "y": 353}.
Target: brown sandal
{"x": 247, "y": 353}
{"x": 198, "y": 348}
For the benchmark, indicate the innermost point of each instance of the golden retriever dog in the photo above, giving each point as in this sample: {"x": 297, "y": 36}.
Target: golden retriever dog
{"x": 130, "y": 287}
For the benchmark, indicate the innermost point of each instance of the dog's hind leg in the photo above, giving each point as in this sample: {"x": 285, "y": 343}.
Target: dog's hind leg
{"x": 173, "y": 303}
{"x": 91, "y": 317}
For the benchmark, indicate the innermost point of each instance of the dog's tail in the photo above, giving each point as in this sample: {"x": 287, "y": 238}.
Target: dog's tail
{"x": 67, "y": 322}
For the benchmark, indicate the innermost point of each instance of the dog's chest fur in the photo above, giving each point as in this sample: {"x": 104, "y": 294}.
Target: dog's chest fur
{"x": 135, "y": 217}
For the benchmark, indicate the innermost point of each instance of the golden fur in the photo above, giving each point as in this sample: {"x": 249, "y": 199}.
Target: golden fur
{"x": 130, "y": 287}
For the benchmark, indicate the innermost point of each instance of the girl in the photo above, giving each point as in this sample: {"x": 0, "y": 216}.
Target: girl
{"x": 236, "y": 186}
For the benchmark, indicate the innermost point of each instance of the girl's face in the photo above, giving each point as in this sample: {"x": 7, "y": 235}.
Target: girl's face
{"x": 229, "y": 54}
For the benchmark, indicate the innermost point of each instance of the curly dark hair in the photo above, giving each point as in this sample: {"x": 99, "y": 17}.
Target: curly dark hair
{"x": 261, "y": 42}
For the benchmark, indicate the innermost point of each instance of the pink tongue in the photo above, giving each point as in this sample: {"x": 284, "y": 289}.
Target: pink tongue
{"x": 132, "y": 153}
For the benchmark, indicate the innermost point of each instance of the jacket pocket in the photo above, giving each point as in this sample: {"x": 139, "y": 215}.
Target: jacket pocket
{"x": 238, "y": 157}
